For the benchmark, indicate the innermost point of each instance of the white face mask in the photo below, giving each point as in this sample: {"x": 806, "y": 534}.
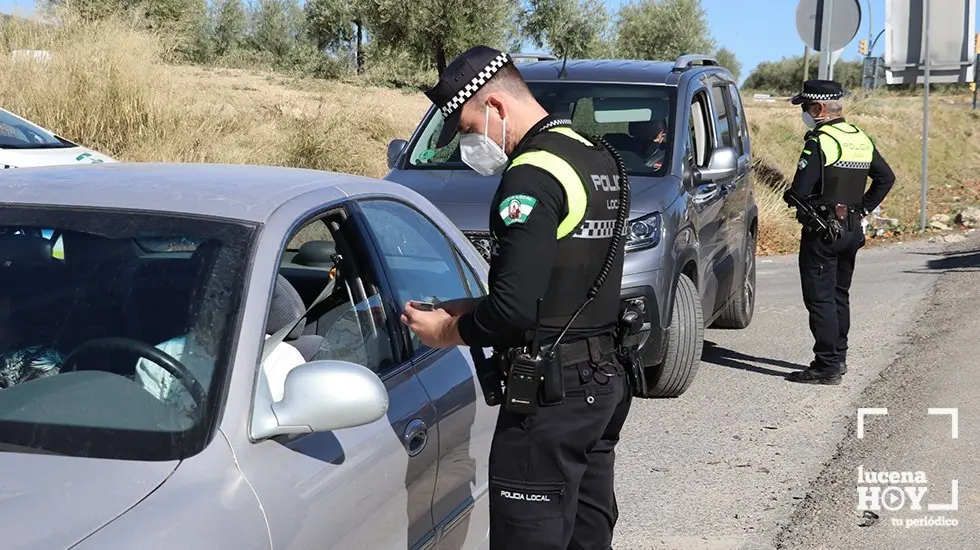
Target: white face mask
{"x": 482, "y": 154}
{"x": 810, "y": 122}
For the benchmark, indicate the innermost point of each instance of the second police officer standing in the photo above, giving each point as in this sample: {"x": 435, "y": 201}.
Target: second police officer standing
{"x": 560, "y": 203}
{"x": 829, "y": 192}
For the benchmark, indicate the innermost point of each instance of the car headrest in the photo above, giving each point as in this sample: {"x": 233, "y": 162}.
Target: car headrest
{"x": 316, "y": 254}
{"x": 25, "y": 250}
{"x": 287, "y": 306}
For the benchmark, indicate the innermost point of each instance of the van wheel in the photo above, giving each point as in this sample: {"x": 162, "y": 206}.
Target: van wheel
{"x": 685, "y": 339}
{"x": 738, "y": 313}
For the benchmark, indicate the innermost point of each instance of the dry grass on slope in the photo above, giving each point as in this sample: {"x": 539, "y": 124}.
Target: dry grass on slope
{"x": 107, "y": 87}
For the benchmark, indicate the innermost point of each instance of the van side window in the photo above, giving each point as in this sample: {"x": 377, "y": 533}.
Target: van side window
{"x": 723, "y": 134}
{"x": 738, "y": 117}
{"x": 699, "y": 128}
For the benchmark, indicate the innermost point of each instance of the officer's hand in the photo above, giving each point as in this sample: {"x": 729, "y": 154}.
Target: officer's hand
{"x": 431, "y": 327}
{"x": 788, "y": 197}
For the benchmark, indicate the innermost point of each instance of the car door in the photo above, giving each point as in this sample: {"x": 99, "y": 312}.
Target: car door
{"x": 728, "y": 234}
{"x": 707, "y": 200}
{"x": 740, "y": 138}
{"x": 422, "y": 263}
{"x": 368, "y": 487}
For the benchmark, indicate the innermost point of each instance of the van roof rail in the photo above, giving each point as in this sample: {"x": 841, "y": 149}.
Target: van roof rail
{"x": 534, "y": 56}
{"x": 687, "y": 60}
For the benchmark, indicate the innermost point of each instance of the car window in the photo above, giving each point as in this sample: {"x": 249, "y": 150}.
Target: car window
{"x": 420, "y": 261}
{"x": 738, "y": 117}
{"x": 699, "y": 128}
{"x": 351, "y": 323}
{"x": 722, "y": 129}
{"x": 472, "y": 281}
{"x": 86, "y": 315}
{"x": 17, "y": 133}
{"x": 635, "y": 119}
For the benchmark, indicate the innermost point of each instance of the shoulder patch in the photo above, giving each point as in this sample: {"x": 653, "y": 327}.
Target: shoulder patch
{"x": 801, "y": 165}
{"x": 516, "y": 208}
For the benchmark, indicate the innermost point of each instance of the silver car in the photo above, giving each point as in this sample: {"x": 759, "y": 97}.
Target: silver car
{"x": 146, "y": 400}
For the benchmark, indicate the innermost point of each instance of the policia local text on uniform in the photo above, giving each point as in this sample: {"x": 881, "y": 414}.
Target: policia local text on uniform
{"x": 559, "y": 206}
{"x": 829, "y": 193}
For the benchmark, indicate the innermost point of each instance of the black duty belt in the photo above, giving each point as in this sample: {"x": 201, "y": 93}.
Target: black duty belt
{"x": 593, "y": 348}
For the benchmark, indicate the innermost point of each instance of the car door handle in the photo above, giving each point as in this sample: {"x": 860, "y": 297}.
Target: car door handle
{"x": 416, "y": 436}
{"x": 705, "y": 193}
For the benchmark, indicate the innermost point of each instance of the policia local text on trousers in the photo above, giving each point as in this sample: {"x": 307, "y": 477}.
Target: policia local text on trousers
{"x": 556, "y": 224}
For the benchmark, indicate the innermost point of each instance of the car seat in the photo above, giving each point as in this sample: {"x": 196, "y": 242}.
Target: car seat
{"x": 286, "y": 307}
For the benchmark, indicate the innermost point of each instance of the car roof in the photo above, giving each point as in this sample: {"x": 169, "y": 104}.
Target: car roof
{"x": 617, "y": 70}
{"x": 236, "y": 191}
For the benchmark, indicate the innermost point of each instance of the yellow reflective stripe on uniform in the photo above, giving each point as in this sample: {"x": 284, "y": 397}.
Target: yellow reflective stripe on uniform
{"x": 846, "y": 145}
{"x": 831, "y": 149}
{"x": 569, "y": 180}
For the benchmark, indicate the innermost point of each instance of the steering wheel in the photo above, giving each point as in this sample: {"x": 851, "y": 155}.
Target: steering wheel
{"x": 155, "y": 355}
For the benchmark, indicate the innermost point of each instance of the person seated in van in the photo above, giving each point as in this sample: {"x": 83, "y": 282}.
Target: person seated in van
{"x": 650, "y": 139}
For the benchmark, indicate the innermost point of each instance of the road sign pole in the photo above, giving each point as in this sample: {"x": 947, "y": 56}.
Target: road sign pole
{"x": 806, "y": 64}
{"x": 976, "y": 71}
{"x": 925, "y": 116}
{"x": 826, "y": 50}
{"x": 827, "y": 26}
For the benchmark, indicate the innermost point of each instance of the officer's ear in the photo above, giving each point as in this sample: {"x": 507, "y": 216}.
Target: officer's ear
{"x": 496, "y": 104}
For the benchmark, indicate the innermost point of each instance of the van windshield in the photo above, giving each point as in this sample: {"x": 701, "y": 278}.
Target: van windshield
{"x": 635, "y": 119}
{"x": 17, "y": 133}
{"x": 114, "y": 343}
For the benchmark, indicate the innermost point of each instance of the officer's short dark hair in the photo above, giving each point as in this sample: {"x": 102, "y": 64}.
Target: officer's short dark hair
{"x": 508, "y": 79}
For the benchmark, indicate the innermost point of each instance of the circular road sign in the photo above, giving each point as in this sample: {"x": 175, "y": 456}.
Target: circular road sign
{"x": 845, "y": 18}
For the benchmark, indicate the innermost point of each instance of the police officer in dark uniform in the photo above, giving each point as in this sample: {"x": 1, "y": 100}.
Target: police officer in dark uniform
{"x": 829, "y": 192}
{"x": 561, "y": 201}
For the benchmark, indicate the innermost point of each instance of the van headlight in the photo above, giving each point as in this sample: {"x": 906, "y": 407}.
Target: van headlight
{"x": 644, "y": 232}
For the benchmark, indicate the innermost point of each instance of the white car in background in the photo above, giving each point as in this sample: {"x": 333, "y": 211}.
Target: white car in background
{"x": 24, "y": 144}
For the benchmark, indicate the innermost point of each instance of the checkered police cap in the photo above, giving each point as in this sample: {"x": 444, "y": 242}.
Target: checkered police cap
{"x": 461, "y": 79}
{"x": 818, "y": 90}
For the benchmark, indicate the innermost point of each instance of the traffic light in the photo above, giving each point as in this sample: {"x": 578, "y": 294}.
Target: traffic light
{"x": 863, "y": 46}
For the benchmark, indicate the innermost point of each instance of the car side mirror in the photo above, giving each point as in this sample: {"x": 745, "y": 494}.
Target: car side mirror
{"x": 723, "y": 164}
{"x": 395, "y": 149}
{"x": 322, "y": 396}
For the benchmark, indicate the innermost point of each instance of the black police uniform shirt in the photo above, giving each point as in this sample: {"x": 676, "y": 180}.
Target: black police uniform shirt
{"x": 528, "y": 262}
{"x": 808, "y": 171}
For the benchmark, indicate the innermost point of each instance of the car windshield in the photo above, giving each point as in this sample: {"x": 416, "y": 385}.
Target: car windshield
{"x": 17, "y": 133}
{"x": 115, "y": 330}
{"x": 635, "y": 119}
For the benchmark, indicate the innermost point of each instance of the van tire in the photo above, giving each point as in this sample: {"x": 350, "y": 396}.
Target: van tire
{"x": 685, "y": 340}
{"x": 738, "y": 313}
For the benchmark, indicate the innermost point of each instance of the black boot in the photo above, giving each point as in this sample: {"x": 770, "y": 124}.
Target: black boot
{"x": 817, "y": 374}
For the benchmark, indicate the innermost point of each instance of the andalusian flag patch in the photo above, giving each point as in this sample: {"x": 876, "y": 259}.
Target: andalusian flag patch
{"x": 516, "y": 208}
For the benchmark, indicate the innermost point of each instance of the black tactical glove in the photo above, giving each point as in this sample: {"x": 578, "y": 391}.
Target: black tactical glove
{"x": 788, "y": 196}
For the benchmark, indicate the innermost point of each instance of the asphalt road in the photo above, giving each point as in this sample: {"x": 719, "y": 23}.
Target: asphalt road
{"x": 746, "y": 459}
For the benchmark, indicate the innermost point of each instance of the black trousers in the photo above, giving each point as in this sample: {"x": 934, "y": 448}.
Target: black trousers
{"x": 551, "y": 473}
{"x": 825, "y": 273}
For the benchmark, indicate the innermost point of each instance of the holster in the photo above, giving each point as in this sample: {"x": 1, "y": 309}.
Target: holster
{"x": 490, "y": 374}
{"x": 629, "y": 324}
